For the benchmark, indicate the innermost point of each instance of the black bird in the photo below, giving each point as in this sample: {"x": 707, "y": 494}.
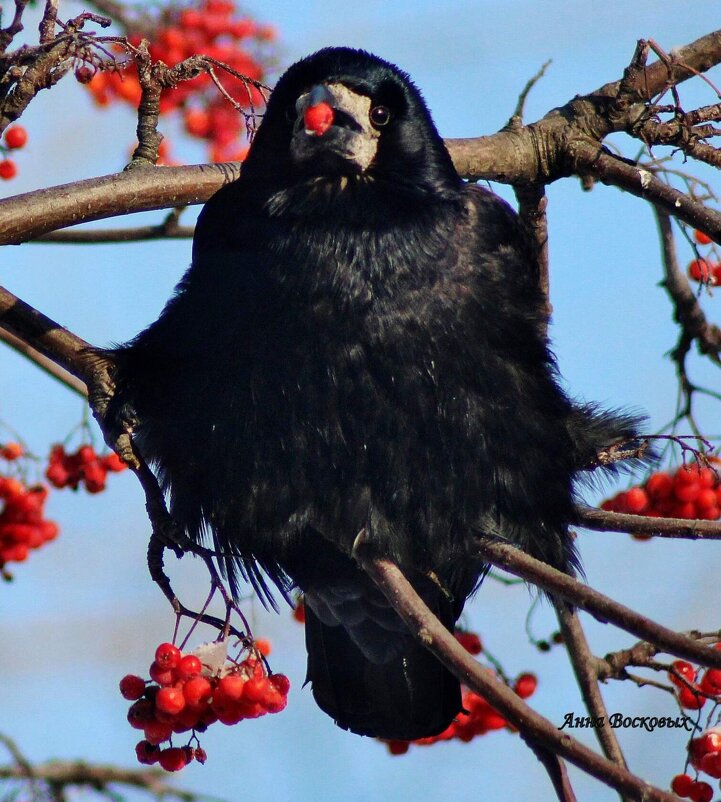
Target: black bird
{"x": 359, "y": 344}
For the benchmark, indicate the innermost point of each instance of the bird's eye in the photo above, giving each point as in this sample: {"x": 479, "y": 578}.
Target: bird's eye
{"x": 380, "y": 116}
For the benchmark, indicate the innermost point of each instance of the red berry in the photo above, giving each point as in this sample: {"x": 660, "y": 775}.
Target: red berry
{"x": 263, "y": 646}
{"x": 711, "y": 683}
{"x": 700, "y": 270}
{"x": 701, "y": 238}
{"x": 681, "y": 784}
{"x": 700, "y": 792}
{"x": 173, "y": 759}
{"x": 16, "y": 137}
{"x": 318, "y": 119}
{"x": 162, "y": 675}
{"x": 170, "y": 700}
{"x": 200, "y": 755}
{"x": 281, "y": 683}
{"x": 231, "y": 687}
{"x": 659, "y": 485}
{"x": 132, "y": 687}
{"x": 398, "y": 747}
{"x": 141, "y": 713}
{"x": 84, "y": 74}
{"x": 299, "y": 612}
{"x": 8, "y": 169}
{"x": 469, "y": 641}
{"x": 188, "y": 666}
{"x": 526, "y": 685}
{"x": 157, "y": 731}
{"x": 255, "y": 689}
{"x": 112, "y": 462}
{"x": 690, "y": 700}
{"x": 147, "y": 753}
{"x": 12, "y": 451}
{"x": 197, "y": 691}
{"x": 167, "y": 655}
{"x": 636, "y": 500}
{"x": 685, "y": 669}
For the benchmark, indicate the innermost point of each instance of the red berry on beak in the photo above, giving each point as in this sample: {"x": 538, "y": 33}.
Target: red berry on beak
{"x": 318, "y": 119}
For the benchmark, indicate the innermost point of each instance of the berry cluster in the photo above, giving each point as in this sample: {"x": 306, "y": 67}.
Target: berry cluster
{"x": 189, "y": 692}
{"x": 690, "y": 492}
{"x": 84, "y": 466}
{"x": 15, "y": 137}
{"x": 22, "y": 523}
{"x": 212, "y": 29}
{"x": 692, "y": 691}
{"x": 696, "y": 790}
{"x": 702, "y": 269}
{"x": 705, "y": 271}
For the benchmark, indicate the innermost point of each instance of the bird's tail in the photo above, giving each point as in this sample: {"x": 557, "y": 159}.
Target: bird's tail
{"x": 370, "y": 675}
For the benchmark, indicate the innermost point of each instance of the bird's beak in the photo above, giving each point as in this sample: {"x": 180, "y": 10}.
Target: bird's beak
{"x": 333, "y": 131}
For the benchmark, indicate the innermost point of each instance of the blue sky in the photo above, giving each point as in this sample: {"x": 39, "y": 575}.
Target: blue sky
{"x": 83, "y": 611}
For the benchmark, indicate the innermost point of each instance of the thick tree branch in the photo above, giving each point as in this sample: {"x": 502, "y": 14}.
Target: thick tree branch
{"x": 32, "y": 214}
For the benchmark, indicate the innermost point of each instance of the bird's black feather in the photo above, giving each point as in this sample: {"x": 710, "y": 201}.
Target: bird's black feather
{"x": 361, "y": 349}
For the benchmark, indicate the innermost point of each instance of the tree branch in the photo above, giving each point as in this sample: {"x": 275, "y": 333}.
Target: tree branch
{"x": 44, "y": 363}
{"x": 585, "y": 669}
{"x": 603, "y": 521}
{"x": 32, "y": 214}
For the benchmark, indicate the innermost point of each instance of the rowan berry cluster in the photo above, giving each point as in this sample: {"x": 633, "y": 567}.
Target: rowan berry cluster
{"x": 213, "y": 29}
{"x": 705, "y": 756}
{"x": 696, "y": 790}
{"x": 693, "y": 687}
{"x": 15, "y": 137}
{"x": 83, "y": 467}
{"x": 691, "y": 492}
{"x": 704, "y": 270}
{"x": 23, "y": 525}
{"x": 187, "y": 693}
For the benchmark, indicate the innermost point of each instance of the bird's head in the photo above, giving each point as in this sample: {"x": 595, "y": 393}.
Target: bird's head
{"x": 346, "y": 113}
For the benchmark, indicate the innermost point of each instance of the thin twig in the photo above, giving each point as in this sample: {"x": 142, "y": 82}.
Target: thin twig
{"x": 585, "y": 669}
